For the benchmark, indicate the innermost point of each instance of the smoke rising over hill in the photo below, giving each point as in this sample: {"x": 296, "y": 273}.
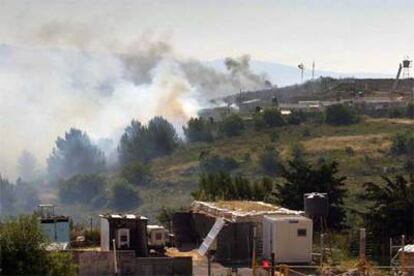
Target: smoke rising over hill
{"x": 66, "y": 81}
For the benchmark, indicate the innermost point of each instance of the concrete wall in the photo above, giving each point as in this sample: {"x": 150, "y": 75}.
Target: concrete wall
{"x": 93, "y": 263}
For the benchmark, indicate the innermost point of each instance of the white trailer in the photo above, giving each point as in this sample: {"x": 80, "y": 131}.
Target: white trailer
{"x": 288, "y": 237}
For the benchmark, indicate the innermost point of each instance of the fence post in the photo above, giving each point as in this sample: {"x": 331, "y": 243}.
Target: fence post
{"x": 362, "y": 251}
{"x": 403, "y": 254}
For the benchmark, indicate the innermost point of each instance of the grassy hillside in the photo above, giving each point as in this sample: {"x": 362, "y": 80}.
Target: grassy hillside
{"x": 362, "y": 151}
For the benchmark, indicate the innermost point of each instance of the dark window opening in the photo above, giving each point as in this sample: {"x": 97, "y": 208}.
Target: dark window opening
{"x": 301, "y": 232}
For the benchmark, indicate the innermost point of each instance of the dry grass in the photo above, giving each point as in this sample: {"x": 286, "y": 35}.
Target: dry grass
{"x": 174, "y": 252}
{"x": 244, "y": 206}
{"x": 392, "y": 121}
{"x": 364, "y": 144}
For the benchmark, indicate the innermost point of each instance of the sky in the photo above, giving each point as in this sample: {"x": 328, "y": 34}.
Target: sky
{"x": 343, "y": 36}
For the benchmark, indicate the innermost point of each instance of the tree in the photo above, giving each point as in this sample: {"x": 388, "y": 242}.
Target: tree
{"x": 26, "y": 166}
{"x": 301, "y": 177}
{"x": 27, "y": 197}
{"x": 198, "y": 130}
{"x": 22, "y": 248}
{"x": 339, "y": 114}
{"x": 270, "y": 161}
{"x": 392, "y": 206}
{"x": 124, "y": 196}
{"x": 7, "y": 197}
{"x": 143, "y": 143}
{"x": 232, "y": 125}
{"x": 81, "y": 188}
{"x": 75, "y": 154}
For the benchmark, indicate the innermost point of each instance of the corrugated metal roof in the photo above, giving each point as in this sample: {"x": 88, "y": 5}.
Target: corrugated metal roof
{"x": 122, "y": 216}
{"x": 409, "y": 248}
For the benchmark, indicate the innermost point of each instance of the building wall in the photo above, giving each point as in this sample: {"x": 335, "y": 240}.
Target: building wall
{"x": 94, "y": 263}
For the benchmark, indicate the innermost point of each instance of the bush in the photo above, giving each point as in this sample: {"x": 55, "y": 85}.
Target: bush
{"x": 136, "y": 173}
{"x": 82, "y": 188}
{"x": 270, "y": 162}
{"x": 340, "y": 114}
{"x": 123, "y": 196}
{"x": 222, "y": 186}
{"x": 258, "y": 121}
{"x": 273, "y": 118}
{"x": 198, "y": 130}
{"x": 232, "y": 125}
{"x": 296, "y": 118}
{"x": 22, "y": 248}
{"x": 216, "y": 163}
{"x": 403, "y": 144}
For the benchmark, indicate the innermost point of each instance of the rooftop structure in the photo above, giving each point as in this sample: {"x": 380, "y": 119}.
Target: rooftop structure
{"x": 240, "y": 211}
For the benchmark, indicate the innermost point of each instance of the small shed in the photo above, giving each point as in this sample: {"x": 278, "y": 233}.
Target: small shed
{"x": 128, "y": 231}
{"x": 243, "y": 224}
{"x": 56, "y": 227}
{"x": 289, "y": 238}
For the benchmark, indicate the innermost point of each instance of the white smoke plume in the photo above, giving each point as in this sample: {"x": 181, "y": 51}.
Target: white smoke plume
{"x": 68, "y": 81}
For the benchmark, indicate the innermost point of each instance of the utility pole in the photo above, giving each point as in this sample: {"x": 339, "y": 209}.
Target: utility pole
{"x": 313, "y": 70}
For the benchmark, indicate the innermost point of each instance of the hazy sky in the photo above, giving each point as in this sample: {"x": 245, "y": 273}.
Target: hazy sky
{"x": 345, "y": 36}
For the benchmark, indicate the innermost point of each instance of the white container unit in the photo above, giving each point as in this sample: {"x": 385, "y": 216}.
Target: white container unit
{"x": 289, "y": 237}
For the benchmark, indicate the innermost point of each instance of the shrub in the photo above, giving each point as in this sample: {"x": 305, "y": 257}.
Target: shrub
{"x": 124, "y": 195}
{"x": 136, "y": 173}
{"x": 198, "y": 130}
{"x": 273, "y": 118}
{"x": 296, "y": 118}
{"x": 403, "y": 143}
{"x": 258, "y": 121}
{"x": 270, "y": 162}
{"x": 216, "y": 163}
{"x": 22, "y": 247}
{"x": 81, "y": 188}
{"x": 340, "y": 114}
{"x": 232, "y": 125}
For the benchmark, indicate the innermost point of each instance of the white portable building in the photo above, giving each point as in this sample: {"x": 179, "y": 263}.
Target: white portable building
{"x": 288, "y": 237}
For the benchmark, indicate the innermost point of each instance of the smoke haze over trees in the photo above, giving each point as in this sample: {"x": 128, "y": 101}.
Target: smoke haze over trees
{"x": 75, "y": 154}
{"x": 101, "y": 89}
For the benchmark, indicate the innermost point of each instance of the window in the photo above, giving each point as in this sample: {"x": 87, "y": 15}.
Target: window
{"x": 158, "y": 236}
{"x": 301, "y": 232}
{"x": 124, "y": 238}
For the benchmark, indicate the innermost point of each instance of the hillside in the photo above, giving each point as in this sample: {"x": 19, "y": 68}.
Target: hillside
{"x": 362, "y": 151}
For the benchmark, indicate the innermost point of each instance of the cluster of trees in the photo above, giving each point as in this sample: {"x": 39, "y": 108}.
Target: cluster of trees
{"x": 78, "y": 165}
{"x": 99, "y": 192}
{"x": 23, "y": 252}
{"x": 17, "y": 197}
{"x": 299, "y": 177}
{"x": 146, "y": 142}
